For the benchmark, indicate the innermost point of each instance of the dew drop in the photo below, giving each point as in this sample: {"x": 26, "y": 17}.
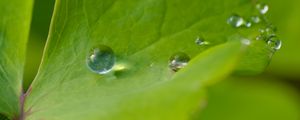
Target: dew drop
{"x": 274, "y": 42}
{"x": 260, "y": 37}
{"x": 201, "y": 41}
{"x": 246, "y": 41}
{"x": 248, "y": 24}
{"x": 178, "y": 61}
{"x": 266, "y": 33}
{"x": 263, "y": 8}
{"x": 101, "y": 59}
{"x": 262, "y": 31}
{"x": 271, "y": 29}
{"x": 235, "y": 21}
{"x": 255, "y": 19}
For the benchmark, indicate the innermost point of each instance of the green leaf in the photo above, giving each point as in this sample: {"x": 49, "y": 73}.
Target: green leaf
{"x": 15, "y": 18}
{"x": 143, "y": 35}
{"x": 251, "y": 99}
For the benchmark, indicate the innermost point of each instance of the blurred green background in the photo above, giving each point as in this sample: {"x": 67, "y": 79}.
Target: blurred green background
{"x": 41, "y": 17}
{"x": 235, "y": 95}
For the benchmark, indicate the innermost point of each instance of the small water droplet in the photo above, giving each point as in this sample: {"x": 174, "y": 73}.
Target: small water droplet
{"x": 248, "y": 24}
{"x": 178, "y": 61}
{"x": 260, "y": 37}
{"x": 201, "y": 41}
{"x": 263, "y": 8}
{"x": 235, "y": 21}
{"x": 101, "y": 59}
{"x": 255, "y": 19}
{"x": 265, "y": 36}
{"x": 262, "y": 30}
{"x": 274, "y": 42}
{"x": 266, "y": 33}
{"x": 271, "y": 29}
{"x": 246, "y": 41}
{"x": 152, "y": 64}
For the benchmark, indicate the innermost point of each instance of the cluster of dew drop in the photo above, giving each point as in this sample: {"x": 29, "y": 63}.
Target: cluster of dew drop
{"x": 180, "y": 59}
{"x": 101, "y": 59}
{"x": 267, "y": 34}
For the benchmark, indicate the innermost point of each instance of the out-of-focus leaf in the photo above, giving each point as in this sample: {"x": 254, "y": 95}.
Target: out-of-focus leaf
{"x": 251, "y": 99}
{"x": 285, "y": 15}
{"x": 41, "y": 16}
{"x": 15, "y": 18}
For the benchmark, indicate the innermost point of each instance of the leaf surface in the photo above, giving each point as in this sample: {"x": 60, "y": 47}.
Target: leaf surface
{"x": 251, "y": 99}
{"x": 143, "y": 34}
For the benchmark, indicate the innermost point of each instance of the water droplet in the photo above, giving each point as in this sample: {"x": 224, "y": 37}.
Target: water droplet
{"x": 248, "y": 24}
{"x": 178, "y": 61}
{"x": 263, "y": 8}
{"x": 152, "y": 64}
{"x": 201, "y": 41}
{"x": 271, "y": 29}
{"x": 235, "y": 21}
{"x": 255, "y": 19}
{"x": 274, "y": 42}
{"x": 101, "y": 59}
{"x": 266, "y": 33}
{"x": 260, "y": 37}
{"x": 246, "y": 41}
{"x": 262, "y": 30}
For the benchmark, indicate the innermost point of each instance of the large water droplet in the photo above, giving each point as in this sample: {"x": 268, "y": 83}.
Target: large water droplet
{"x": 274, "y": 42}
{"x": 263, "y": 8}
{"x": 178, "y": 61}
{"x": 101, "y": 59}
{"x": 201, "y": 41}
{"x": 235, "y": 21}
